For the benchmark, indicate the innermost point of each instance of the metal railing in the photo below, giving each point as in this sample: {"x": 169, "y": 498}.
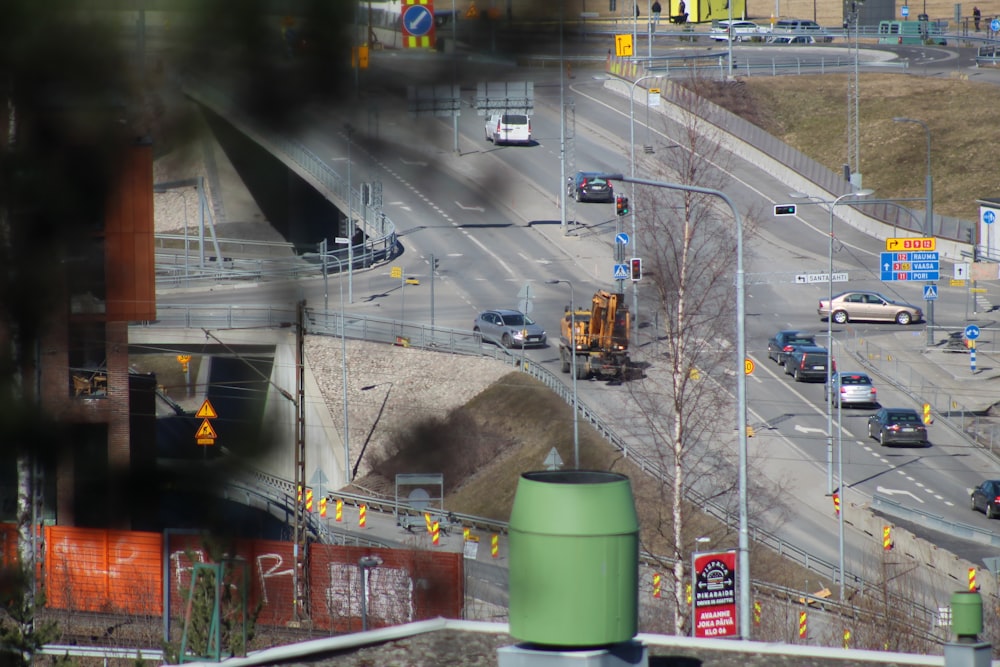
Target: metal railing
{"x": 457, "y": 341}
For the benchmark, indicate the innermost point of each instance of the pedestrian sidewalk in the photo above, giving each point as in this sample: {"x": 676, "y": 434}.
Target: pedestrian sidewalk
{"x": 941, "y": 374}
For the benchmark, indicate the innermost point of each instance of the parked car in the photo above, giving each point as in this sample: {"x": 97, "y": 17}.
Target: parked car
{"x": 785, "y": 341}
{"x": 869, "y": 306}
{"x": 791, "y": 39}
{"x": 741, "y": 30}
{"x": 986, "y": 498}
{"x": 510, "y": 328}
{"x": 807, "y": 362}
{"x": 851, "y": 389}
{"x": 587, "y": 186}
{"x": 802, "y": 27}
{"x": 893, "y": 426}
{"x": 508, "y": 128}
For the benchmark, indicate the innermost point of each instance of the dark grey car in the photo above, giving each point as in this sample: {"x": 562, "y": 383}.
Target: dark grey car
{"x": 786, "y": 340}
{"x": 807, "y": 362}
{"x": 892, "y": 426}
{"x": 586, "y": 186}
{"x": 986, "y": 498}
{"x": 510, "y": 328}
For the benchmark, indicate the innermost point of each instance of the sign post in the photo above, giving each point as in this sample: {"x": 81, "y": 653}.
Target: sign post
{"x": 713, "y": 603}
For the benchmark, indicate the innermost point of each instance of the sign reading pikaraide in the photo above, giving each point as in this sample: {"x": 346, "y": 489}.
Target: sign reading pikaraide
{"x": 713, "y": 600}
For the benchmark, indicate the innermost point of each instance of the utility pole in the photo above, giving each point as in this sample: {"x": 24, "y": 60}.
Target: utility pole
{"x": 300, "y": 610}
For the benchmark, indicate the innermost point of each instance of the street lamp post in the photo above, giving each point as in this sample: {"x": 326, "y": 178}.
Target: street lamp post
{"x": 829, "y": 324}
{"x": 572, "y": 345}
{"x": 741, "y": 389}
{"x": 631, "y": 143}
{"x": 929, "y": 213}
{"x": 366, "y": 563}
{"x": 371, "y": 431}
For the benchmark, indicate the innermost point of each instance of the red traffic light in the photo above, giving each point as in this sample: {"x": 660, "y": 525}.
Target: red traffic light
{"x": 636, "y": 266}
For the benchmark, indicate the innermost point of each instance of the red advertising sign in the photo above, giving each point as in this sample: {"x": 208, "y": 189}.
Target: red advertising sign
{"x": 713, "y": 600}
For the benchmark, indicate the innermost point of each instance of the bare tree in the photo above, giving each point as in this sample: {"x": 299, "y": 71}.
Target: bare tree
{"x": 688, "y": 247}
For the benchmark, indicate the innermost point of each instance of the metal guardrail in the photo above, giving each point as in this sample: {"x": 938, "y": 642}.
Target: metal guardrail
{"x": 456, "y": 341}
{"x": 935, "y": 522}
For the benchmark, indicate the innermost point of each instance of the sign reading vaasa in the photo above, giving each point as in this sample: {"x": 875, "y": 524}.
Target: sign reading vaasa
{"x": 713, "y": 599}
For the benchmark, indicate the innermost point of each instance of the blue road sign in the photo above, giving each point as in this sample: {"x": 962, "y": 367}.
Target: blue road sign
{"x": 904, "y": 11}
{"x": 989, "y": 217}
{"x": 995, "y": 25}
{"x": 930, "y": 292}
{"x": 418, "y": 20}
{"x": 621, "y": 272}
{"x": 621, "y": 238}
{"x": 972, "y": 332}
{"x": 913, "y": 265}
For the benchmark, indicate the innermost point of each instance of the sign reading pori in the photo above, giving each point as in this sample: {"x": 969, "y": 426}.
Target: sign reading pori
{"x": 713, "y": 601}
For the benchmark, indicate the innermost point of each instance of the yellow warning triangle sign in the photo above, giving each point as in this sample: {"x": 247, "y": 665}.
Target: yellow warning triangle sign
{"x": 206, "y": 411}
{"x": 205, "y": 431}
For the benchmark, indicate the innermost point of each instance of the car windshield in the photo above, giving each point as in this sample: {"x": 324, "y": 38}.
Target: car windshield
{"x": 516, "y": 320}
{"x": 903, "y": 417}
{"x": 855, "y": 379}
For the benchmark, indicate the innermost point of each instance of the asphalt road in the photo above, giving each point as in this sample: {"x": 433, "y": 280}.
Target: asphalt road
{"x": 488, "y": 215}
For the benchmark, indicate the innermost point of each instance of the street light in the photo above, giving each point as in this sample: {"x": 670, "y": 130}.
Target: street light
{"x": 371, "y": 431}
{"x": 572, "y": 345}
{"x": 829, "y": 323}
{"x": 928, "y": 215}
{"x": 741, "y": 387}
{"x": 366, "y": 563}
{"x": 631, "y": 130}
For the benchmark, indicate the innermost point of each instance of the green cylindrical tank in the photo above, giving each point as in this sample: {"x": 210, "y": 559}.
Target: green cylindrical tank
{"x": 574, "y": 559}
{"x": 966, "y": 613}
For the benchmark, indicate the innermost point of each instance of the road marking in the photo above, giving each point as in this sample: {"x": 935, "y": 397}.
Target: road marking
{"x": 808, "y": 429}
{"x": 411, "y": 163}
{"x": 478, "y": 209}
{"x": 894, "y": 492}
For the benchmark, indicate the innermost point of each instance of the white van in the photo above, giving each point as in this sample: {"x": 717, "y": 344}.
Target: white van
{"x": 508, "y": 128}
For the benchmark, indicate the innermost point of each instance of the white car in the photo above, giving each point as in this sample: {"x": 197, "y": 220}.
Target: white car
{"x": 742, "y": 30}
{"x": 791, "y": 39}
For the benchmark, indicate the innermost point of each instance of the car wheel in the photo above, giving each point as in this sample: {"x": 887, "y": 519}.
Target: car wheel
{"x": 870, "y": 434}
{"x": 972, "y": 503}
{"x": 507, "y": 342}
{"x": 478, "y": 333}
{"x": 881, "y": 437}
{"x": 991, "y": 512}
{"x": 840, "y": 316}
{"x": 564, "y": 362}
{"x": 796, "y": 375}
{"x": 581, "y": 371}
{"x": 903, "y": 318}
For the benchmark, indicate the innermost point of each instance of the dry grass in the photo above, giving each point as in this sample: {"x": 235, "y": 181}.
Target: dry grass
{"x": 810, "y": 113}
{"x": 521, "y": 421}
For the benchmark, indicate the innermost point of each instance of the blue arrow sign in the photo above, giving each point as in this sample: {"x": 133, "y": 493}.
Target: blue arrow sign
{"x": 989, "y": 217}
{"x": 621, "y": 271}
{"x": 995, "y": 25}
{"x": 913, "y": 265}
{"x": 972, "y": 332}
{"x": 418, "y": 20}
{"x": 930, "y": 292}
{"x": 621, "y": 238}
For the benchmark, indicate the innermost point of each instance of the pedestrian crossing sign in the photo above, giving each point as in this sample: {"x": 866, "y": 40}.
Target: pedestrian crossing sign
{"x": 930, "y": 292}
{"x": 621, "y": 271}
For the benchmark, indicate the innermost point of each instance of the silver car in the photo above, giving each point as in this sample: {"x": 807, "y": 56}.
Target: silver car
{"x": 510, "y": 328}
{"x": 851, "y": 389}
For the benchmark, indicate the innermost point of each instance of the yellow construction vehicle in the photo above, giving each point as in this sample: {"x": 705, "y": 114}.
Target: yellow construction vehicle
{"x": 600, "y": 341}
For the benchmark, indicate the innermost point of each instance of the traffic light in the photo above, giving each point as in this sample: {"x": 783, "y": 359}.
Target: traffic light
{"x": 619, "y": 205}
{"x": 636, "y": 266}
{"x": 624, "y": 206}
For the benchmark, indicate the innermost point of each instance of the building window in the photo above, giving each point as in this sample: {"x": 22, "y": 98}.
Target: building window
{"x": 88, "y": 366}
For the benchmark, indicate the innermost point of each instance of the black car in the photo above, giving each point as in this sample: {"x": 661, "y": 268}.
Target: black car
{"x": 807, "y": 362}
{"x": 587, "y": 186}
{"x": 785, "y": 341}
{"x": 892, "y": 426}
{"x": 986, "y": 497}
